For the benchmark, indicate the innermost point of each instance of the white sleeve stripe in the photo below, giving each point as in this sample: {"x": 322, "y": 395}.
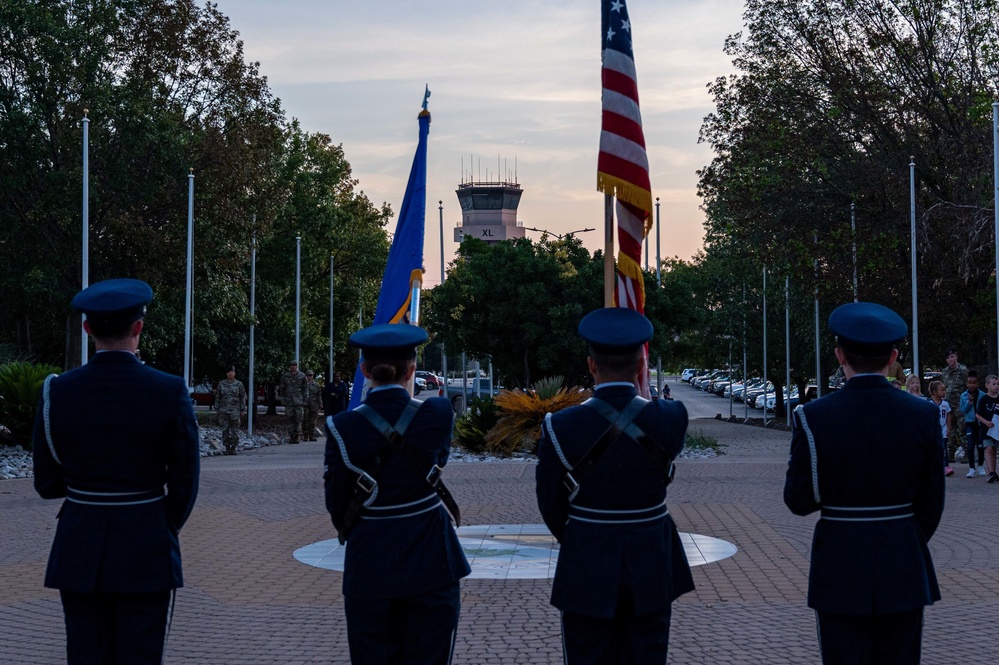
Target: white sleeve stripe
{"x": 800, "y": 410}
{"x": 48, "y": 426}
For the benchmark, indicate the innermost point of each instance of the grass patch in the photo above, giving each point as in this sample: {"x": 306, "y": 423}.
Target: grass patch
{"x": 698, "y": 440}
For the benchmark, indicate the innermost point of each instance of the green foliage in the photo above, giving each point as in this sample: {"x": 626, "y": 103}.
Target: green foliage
{"x": 518, "y": 302}
{"x": 830, "y": 102}
{"x": 168, "y": 90}
{"x": 471, "y": 427}
{"x": 698, "y": 440}
{"x": 20, "y": 391}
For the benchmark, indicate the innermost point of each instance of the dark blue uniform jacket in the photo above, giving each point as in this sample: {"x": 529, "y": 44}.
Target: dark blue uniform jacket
{"x": 600, "y": 563}
{"x": 121, "y": 430}
{"x": 394, "y": 557}
{"x": 875, "y": 447}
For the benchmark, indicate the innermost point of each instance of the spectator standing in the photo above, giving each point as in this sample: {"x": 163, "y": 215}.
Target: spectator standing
{"x": 913, "y": 386}
{"x": 118, "y": 441}
{"x": 312, "y": 399}
{"x": 988, "y": 406}
{"x": 871, "y": 572}
{"x": 972, "y": 430}
{"x": 293, "y": 396}
{"x": 937, "y": 392}
{"x": 336, "y": 395}
{"x": 230, "y": 402}
{"x": 954, "y": 377}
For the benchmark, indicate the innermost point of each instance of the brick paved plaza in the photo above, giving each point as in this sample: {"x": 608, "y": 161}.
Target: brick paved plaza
{"x": 248, "y": 600}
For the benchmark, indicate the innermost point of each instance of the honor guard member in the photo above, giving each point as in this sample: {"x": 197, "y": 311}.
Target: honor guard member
{"x": 230, "y": 403}
{"x": 313, "y": 399}
{"x": 403, "y": 561}
{"x": 603, "y": 469}
{"x": 118, "y": 441}
{"x": 871, "y": 572}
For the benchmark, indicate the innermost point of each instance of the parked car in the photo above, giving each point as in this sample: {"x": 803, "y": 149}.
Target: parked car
{"x": 432, "y": 381}
{"x": 688, "y": 374}
{"x": 419, "y": 385}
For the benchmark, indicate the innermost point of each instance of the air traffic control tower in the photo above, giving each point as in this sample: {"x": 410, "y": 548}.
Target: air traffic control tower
{"x": 489, "y": 211}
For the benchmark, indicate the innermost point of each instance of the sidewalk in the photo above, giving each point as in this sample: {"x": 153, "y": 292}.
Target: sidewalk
{"x": 248, "y": 601}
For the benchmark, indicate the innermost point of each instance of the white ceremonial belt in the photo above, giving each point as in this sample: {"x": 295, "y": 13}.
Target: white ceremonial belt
{"x": 91, "y": 498}
{"x": 399, "y": 510}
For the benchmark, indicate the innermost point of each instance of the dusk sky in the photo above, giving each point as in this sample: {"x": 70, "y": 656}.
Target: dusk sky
{"x": 514, "y": 82}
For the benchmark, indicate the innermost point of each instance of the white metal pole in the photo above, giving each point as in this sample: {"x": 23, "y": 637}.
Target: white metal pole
{"x": 995, "y": 204}
{"x": 659, "y": 260}
{"x": 745, "y": 377}
{"x": 659, "y": 283}
{"x": 915, "y": 300}
{"x": 190, "y": 279}
{"x": 818, "y": 351}
{"x": 764, "y": 346}
{"x": 329, "y": 374}
{"x": 787, "y": 347}
{"x": 298, "y": 297}
{"x": 853, "y": 235}
{"x": 84, "y": 341}
{"x": 440, "y": 211}
{"x": 252, "y": 410}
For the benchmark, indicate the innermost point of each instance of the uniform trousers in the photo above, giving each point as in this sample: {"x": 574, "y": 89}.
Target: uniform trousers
{"x": 415, "y": 630}
{"x": 295, "y": 416}
{"x": 625, "y": 639}
{"x": 884, "y": 639}
{"x": 115, "y": 628}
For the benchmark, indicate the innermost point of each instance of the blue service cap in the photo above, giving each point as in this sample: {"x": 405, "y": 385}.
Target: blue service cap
{"x": 114, "y": 299}
{"x": 389, "y": 338}
{"x": 867, "y": 326}
{"x": 615, "y": 330}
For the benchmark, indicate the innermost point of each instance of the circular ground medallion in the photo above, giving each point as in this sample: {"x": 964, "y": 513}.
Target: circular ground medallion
{"x": 514, "y": 551}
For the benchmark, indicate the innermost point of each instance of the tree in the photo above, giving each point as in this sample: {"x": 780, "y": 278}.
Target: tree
{"x": 167, "y": 90}
{"x": 519, "y": 302}
{"x": 832, "y": 99}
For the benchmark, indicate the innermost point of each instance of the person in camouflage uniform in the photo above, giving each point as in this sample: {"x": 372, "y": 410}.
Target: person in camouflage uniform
{"x": 313, "y": 393}
{"x": 293, "y": 396}
{"x": 955, "y": 379}
{"x": 230, "y": 403}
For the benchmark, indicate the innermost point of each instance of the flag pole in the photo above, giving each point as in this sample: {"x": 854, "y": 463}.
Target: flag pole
{"x": 440, "y": 210}
{"x": 915, "y": 300}
{"x": 608, "y": 250}
{"x": 84, "y": 346}
{"x": 190, "y": 278}
{"x": 252, "y": 407}
{"x": 995, "y": 204}
{"x": 298, "y": 297}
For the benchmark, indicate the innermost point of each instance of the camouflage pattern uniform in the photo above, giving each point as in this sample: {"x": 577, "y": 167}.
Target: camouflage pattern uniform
{"x": 313, "y": 393}
{"x": 230, "y": 403}
{"x": 955, "y": 382}
{"x": 293, "y": 394}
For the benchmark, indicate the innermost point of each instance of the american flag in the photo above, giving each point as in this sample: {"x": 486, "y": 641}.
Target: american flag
{"x": 623, "y": 166}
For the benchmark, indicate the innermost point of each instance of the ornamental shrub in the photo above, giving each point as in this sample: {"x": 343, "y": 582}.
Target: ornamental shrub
{"x": 20, "y": 392}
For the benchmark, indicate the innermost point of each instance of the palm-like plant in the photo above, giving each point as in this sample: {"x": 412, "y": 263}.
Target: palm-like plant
{"x": 471, "y": 427}
{"x": 523, "y": 412}
{"x": 20, "y": 390}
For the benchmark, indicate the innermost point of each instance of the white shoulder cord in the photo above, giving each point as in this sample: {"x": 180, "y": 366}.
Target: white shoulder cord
{"x": 800, "y": 410}
{"x": 45, "y": 416}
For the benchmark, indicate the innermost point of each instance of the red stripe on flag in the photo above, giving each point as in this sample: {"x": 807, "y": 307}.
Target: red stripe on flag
{"x": 615, "y": 123}
{"x": 616, "y": 167}
{"x": 629, "y": 245}
{"x": 620, "y": 83}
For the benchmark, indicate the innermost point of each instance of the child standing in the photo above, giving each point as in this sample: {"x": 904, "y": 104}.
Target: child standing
{"x": 973, "y": 433}
{"x": 937, "y": 392}
{"x": 988, "y": 406}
